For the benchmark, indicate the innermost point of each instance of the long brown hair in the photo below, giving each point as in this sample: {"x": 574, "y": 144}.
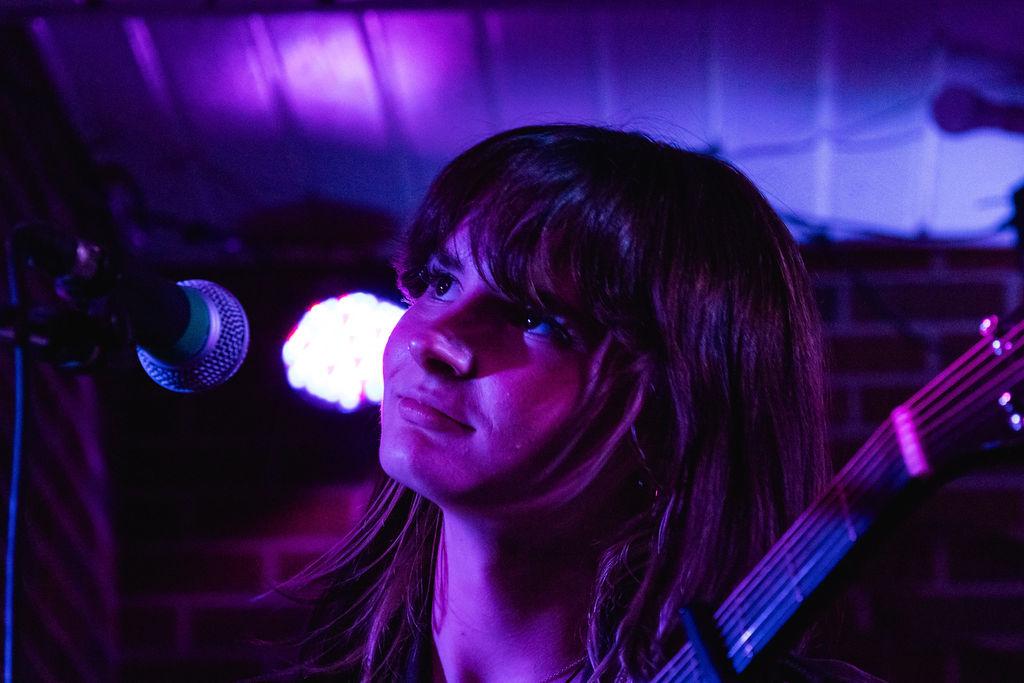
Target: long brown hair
{"x": 711, "y": 367}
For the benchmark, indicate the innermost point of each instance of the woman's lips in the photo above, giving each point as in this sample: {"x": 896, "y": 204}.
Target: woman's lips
{"x": 423, "y": 415}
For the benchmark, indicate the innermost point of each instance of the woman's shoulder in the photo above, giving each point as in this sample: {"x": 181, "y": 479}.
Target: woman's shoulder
{"x": 793, "y": 669}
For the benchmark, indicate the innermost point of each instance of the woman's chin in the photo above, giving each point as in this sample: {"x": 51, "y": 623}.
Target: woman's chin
{"x": 427, "y": 472}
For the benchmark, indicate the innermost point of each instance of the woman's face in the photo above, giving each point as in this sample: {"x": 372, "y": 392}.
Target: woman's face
{"x": 475, "y": 390}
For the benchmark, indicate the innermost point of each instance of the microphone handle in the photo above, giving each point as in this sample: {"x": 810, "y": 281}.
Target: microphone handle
{"x": 158, "y": 311}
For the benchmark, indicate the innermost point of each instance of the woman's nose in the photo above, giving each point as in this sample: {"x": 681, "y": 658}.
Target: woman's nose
{"x": 440, "y": 353}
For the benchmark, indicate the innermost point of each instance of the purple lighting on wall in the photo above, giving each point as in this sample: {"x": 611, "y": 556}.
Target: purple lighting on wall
{"x": 328, "y": 77}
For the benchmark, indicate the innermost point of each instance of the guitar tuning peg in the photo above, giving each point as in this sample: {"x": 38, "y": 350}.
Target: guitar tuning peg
{"x": 988, "y": 325}
{"x": 998, "y": 346}
{"x": 1015, "y": 419}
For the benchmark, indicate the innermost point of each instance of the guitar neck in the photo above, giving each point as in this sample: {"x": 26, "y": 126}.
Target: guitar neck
{"x": 750, "y": 617}
{"x": 970, "y": 405}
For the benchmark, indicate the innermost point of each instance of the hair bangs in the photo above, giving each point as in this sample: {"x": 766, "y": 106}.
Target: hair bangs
{"x": 526, "y": 253}
{"x": 541, "y": 243}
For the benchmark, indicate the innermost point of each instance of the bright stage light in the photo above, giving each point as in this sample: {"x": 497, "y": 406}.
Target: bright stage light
{"x": 336, "y": 351}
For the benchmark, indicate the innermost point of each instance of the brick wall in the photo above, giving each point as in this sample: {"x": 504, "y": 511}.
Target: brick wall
{"x": 221, "y": 495}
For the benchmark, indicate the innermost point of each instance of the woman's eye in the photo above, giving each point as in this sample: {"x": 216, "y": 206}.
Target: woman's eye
{"x": 441, "y": 284}
{"x": 437, "y": 282}
{"x": 545, "y": 327}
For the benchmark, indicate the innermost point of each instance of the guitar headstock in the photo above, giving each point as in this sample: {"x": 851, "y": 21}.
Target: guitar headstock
{"x": 975, "y": 404}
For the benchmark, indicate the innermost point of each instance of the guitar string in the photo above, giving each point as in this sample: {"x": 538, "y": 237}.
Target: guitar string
{"x": 683, "y": 659}
{"x": 824, "y": 522}
{"x": 820, "y": 521}
{"x": 946, "y": 377}
{"x": 945, "y": 428}
{"x": 923, "y": 413}
{"x": 839, "y": 552}
{"x": 802, "y": 521}
{"x": 844, "y": 475}
{"x": 968, "y": 397}
{"x": 790, "y": 551}
{"x": 685, "y": 664}
{"x": 825, "y": 559}
{"x": 827, "y": 540}
{"x": 789, "y": 542}
{"x": 729, "y": 608}
{"x": 1011, "y": 373}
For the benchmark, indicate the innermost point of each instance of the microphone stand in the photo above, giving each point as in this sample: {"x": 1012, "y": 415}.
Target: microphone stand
{"x": 64, "y": 337}
{"x": 17, "y": 446}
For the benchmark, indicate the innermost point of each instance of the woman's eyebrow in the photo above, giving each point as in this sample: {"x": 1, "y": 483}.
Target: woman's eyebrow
{"x": 557, "y": 303}
{"x": 447, "y": 258}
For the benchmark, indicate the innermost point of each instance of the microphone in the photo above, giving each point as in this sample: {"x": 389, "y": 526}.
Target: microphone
{"x": 211, "y": 346}
{"x": 958, "y": 109}
{"x": 190, "y": 336}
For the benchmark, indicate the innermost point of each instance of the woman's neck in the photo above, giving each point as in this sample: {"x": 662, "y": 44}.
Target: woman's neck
{"x": 506, "y": 609}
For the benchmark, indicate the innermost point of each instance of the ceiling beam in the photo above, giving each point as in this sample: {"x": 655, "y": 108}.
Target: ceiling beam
{"x": 17, "y": 9}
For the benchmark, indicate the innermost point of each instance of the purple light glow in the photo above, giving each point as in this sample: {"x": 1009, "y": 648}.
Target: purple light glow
{"x": 328, "y": 81}
{"x": 336, "y": 351}
{"x": 828, "y": 110}
{"x": 434, "y": 73}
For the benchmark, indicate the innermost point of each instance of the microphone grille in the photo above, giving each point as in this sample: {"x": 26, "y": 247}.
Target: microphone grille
{"x": 225, "y": 348}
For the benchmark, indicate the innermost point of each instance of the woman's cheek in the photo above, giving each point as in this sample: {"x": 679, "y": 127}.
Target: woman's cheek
{"x": 396, "y": 343}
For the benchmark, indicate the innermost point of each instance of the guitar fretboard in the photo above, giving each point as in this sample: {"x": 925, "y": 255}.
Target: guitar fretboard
{"x": 804, "y": 556}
